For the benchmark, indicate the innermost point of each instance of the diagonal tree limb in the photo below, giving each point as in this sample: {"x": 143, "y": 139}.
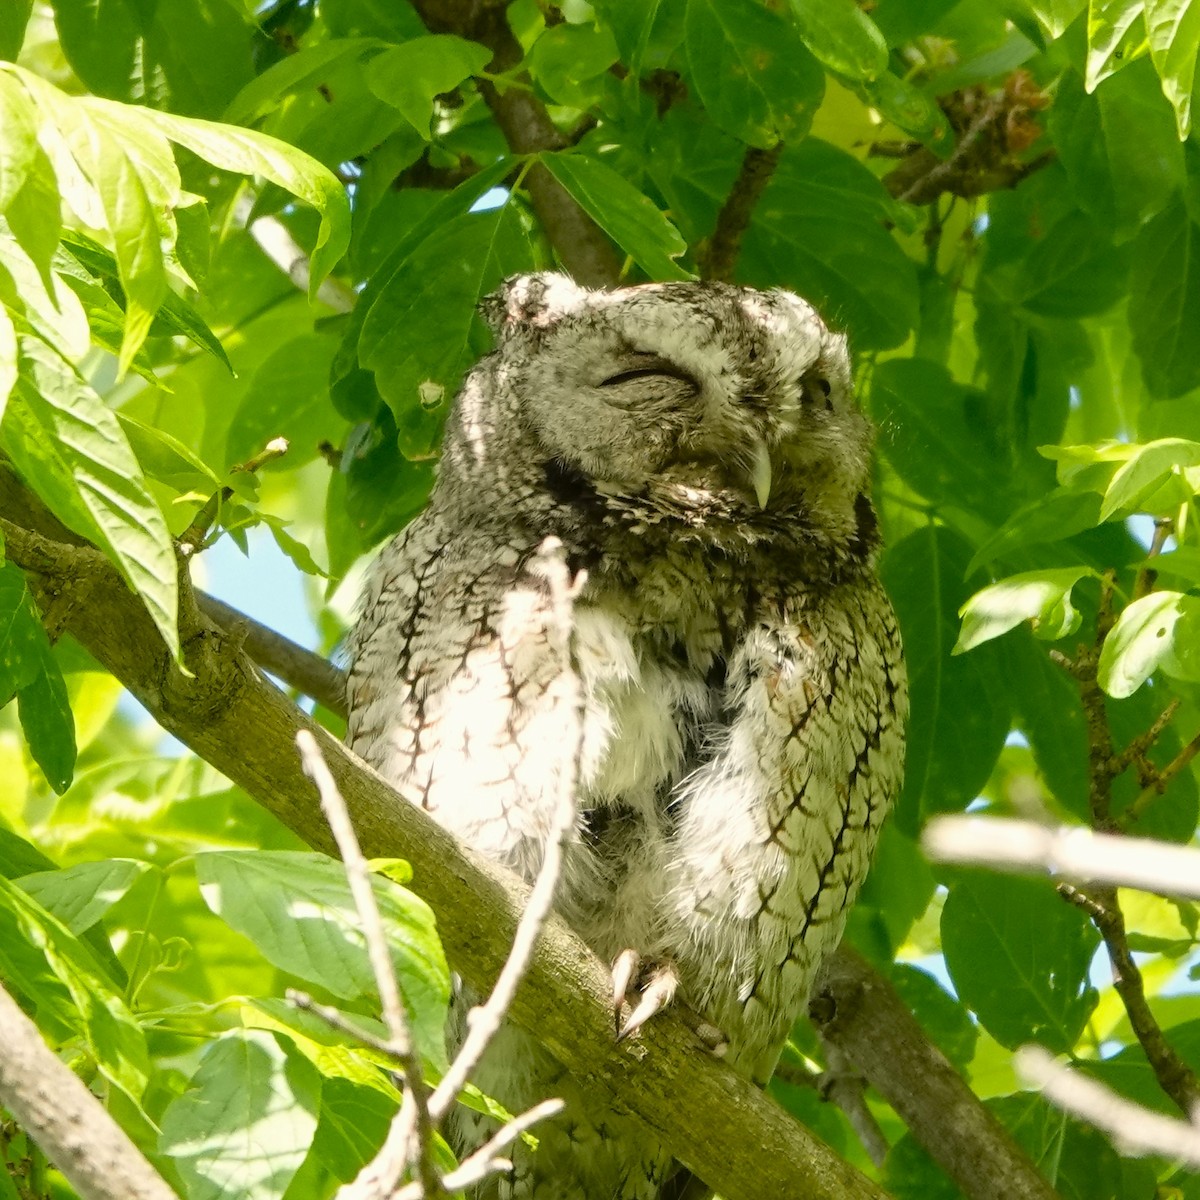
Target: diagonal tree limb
{"x": 583, "y": 248}
{"x": 716, "y": 1122}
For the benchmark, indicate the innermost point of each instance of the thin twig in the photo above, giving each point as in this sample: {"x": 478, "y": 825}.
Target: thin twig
{"x": 1147, "y": 577}
{"x": 1070, "y": 852}
{"x": 336, "y": 1019}
{"x": 718, "y": 257}
{"x": 1159, "y": 781}
{"x": 484, "y": 1021}
{"x": 419, "y": 1149}
{"x": 193, "y": 537}
{"x": 846, "y": 1087}
{"x": 1135, "y": 752}
{"x": 1133, "y": 1129}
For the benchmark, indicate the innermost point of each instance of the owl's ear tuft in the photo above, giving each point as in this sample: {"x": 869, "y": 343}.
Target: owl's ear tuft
{"x": 531, "y": 303}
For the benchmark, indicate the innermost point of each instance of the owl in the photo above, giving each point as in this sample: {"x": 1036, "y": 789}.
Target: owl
{"x": 695, "y": 450}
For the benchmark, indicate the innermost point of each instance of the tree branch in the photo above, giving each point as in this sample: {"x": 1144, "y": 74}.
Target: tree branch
{"x": 859, "y": 1012}
{"x": 718, "y": 257}
{"x": 582, "y": 246}
{"x": 70, "y": 1125}
{"x": 713, "y": 1120}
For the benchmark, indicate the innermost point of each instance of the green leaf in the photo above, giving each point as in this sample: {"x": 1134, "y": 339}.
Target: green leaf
{"x": 960, "y": 708}
{"x": 80, "y": 895}
{"x": 8, "y": 358}
{"x": 34, "y": 214}
{"x": 167, "y": 459}
{"x": 287, "y": 396}
{"x": 842, "y": 37}
{"x": 250, "y": 153}
{"x": 1119, "y": 147}
{"x": 1058, "y": 515}
{"x": 421, "y": 333}
{"x": 1164, "y": 301}
{"x": 571, "y": 62}
{"x": 411, "y": 75}
{"x": 44, "y": 710}
{"x": 75, "y": 993}
{"x": 1161, "y": 630}
{"x": 1074, "y": 271}
{"x": 625, "y": 214}
{"x": 753, "y": 74}
{"x": 98, "y": 476}
{"x": 29, "y": 669}
{"x": 1054, "y": 16}
{"x": 1173, "y": 30}
{"x": 1043, "y": 597}
{"x": 1115, "y": 36}
{"x": 298, "y": 911}
{"x": 19, "y": 146}
{"x": 1142, "y": 475}
{"x": 1019, "y": 959}
{"x": 14, "y": 16}
{"x": 176, "y": 314}
{"x": 246, "y": 1122}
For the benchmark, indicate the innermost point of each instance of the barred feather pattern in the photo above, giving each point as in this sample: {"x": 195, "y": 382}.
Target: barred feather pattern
{"x": 697, "y": 451}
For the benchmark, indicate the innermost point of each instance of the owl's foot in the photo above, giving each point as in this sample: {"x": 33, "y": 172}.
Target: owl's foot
{"x": 657, "y": 990}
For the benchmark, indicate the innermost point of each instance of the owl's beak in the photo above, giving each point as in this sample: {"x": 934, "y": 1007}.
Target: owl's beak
{"x": 760, "y": 472}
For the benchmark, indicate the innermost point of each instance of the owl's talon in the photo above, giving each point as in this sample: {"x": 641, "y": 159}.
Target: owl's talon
{"x": 656, "y": 995}
{"x": 624, "y": 968}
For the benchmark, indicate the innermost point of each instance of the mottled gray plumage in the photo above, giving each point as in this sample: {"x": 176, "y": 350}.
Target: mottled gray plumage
{"x": 697, "y": 450}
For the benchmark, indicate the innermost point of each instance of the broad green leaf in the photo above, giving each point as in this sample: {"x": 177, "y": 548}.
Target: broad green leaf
{"x": 166, "y": 459}
{"x": 176, "y": 315}
{"x": 83, "y": 443}
{"x": 8, "y": 358}
{"x": 411, "y": 75}
{"x": 46, "y": 303}
{"x": 79, "y": 896}
{"x": 288, "y": 396}
{"x": 1173, "y": 30}
{"x": 909, "y": 108}
{"x": 1059, "y": 514}
{"x": 298, "y": 911}
{"x": 960, "y": 708}
{"x": 628, "y": 216}
{"x": 1116, "y": 34}
{"x": 19, "y": 146}
{"x": 91, "y": 1007}
{"x": 944, "y": 1018}
{"x": 571, "y": 63}
{"x": 1164, "y": 301}
{"x": 187, "y": 57}
{"x": 842, "y": 37}
{"x": 22, "y": 637}
{"x": 246, "y": 1122}
{"x": 1074, "y": 271}
{"x": 421, "y": 333}
{"x": 753, "y": 74}
{"x": 1019, "y": 959}
{"x": 295, "y": 549}
{"x": 29, "y": 669}
{"x": 250, "y": 153}
{"x": 919, "y": 406}
{"x": 1042, "y": 597}
{"x": 14, "y": 16}
{"x": 1161, "y": 630}
{"x": 44, "y": 710}
{"x": 1144, "y": 474}
{"x": 1054, "y": 16}
{"x": 1119, "y": 147}
{"x": 303, "y": 68}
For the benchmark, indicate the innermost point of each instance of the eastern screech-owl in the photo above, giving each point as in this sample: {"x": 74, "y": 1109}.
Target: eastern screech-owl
{"x": 696, "y": 449}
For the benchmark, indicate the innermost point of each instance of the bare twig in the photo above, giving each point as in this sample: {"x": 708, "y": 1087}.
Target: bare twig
{"x": 1108, "y": 860}
{"x": 484, "y": 1021}
{"x": 1072, "y": 852}
{"x": 718, "y": 257}
{"x": 1159, "y": 779}
{"x": 70, "y": 1125}
{"x": 416, "y": 1128}
{"x": 1147, "y": 577}
{"x": 1135, "y": 753}
{"x": 193, "y": 537}
{"x": 842, "y": 1083}
{"x": 1133, "y": 1129}
{"x": 336, "y": 1019}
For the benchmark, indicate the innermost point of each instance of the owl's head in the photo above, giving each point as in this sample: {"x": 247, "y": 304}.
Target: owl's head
{"x": 703, "y": 401}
